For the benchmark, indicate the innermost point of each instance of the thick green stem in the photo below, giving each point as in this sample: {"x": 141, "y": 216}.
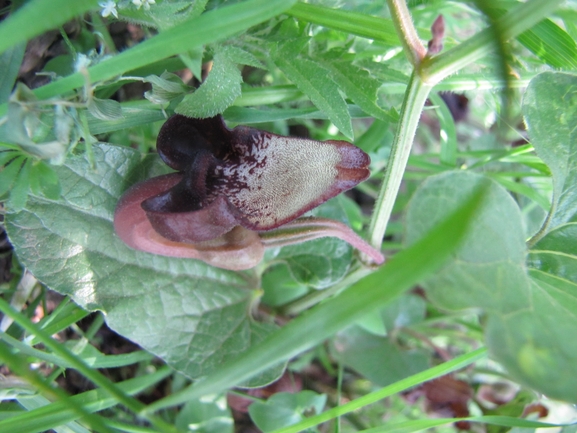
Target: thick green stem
{"x": 429, "y": 72}
{"x": 415, "y": 98}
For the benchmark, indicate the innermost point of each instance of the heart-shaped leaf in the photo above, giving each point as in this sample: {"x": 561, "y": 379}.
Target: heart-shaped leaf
{"x": 550, "y": 109}
{"x": 529, "y": 320}
{"x": 188, "y": 313}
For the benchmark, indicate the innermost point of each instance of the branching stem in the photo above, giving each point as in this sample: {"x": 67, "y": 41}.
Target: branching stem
{"x": 429, "y": 71}
{"x": 412, "y": 45}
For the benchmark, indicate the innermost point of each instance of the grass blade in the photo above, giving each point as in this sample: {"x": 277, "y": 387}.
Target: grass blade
{"x": 401, "y": 273}
{"x": 37, "y": 16}
{"x": 363, "y": 25}
{"x": 210, "y": 27}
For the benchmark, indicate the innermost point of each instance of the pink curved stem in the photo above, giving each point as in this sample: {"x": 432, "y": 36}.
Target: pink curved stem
{"x": 309, "y": 228}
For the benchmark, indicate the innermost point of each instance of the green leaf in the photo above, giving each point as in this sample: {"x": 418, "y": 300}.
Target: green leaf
{"x": 284, "y": 409}
{"x": 165, "y": 88}
{"x": 552, "y": 44}
{"x": 403, "y": 311}
{"x": 550, "y": 109}
{"x": 164, "y": 15}
{"x": 358, "y": 85}
{"x": 131, "y": 116}
{"x": 280, "y": 286}
{"x": 193, "y": 61}
{"x": 191, "y": 315}
{"x": 366, "y": 26}
{"x": 209, "y": 415}
{"x": 44, "y": 181}
{"x": 556, "y": 254}
{"x": 493, "y": 255}
{"x": 105, "y": 109}
{"x": 212, "y": 26}
{"x": 312, "y": 80}
{"x": 377, "y": 358}
{"x": 532, "y": 343}
{"x": 371, "y": 293}
{"x": 61, "y": 412}
{"x": 10, "y": 62}
{"x": 9, "y": 173}
{"x": 19, "y": 192}
{"x": 529, "y": 319}
{"x": 216, "y": 93}
{"x": 18, "y": 28}
{"x": 240, "y": 56}
{"x": 322, "y": 262}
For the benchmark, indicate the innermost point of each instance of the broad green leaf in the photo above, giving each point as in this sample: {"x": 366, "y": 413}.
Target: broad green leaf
{"x": 284, "y": 409}
{"x": 216, "y": 93}
{"x": 550, "y": 109}
{"x": 311, "y": 79}
{"x": 493, "y": 255}
{"x": 556, "y": 254}
{"x": 322, "y": 262}
{"x": 10, "y": 62}
{"x": 280, "y": 286}
{"x": 530, "y": 320}
{"x": 377, "y": 358}
{"x": 534, "y": 343}
{"x": 358, "y": 85}
{"x": 191, "y": 315}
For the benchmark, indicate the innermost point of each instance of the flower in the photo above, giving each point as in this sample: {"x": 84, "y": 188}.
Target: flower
{"x": 108, "y": 7}
{"x": 233, "y": 188}
{"x": 145, "y": 3}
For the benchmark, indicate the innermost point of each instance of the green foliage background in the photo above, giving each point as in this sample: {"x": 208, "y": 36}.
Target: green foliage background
{"x": 485, "y": 226}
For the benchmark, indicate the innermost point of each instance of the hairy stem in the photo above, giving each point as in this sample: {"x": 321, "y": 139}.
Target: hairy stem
{"x": 415, "y": 98}
{"x": 412, "y": 45}
{"x": 428, "y": 72}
